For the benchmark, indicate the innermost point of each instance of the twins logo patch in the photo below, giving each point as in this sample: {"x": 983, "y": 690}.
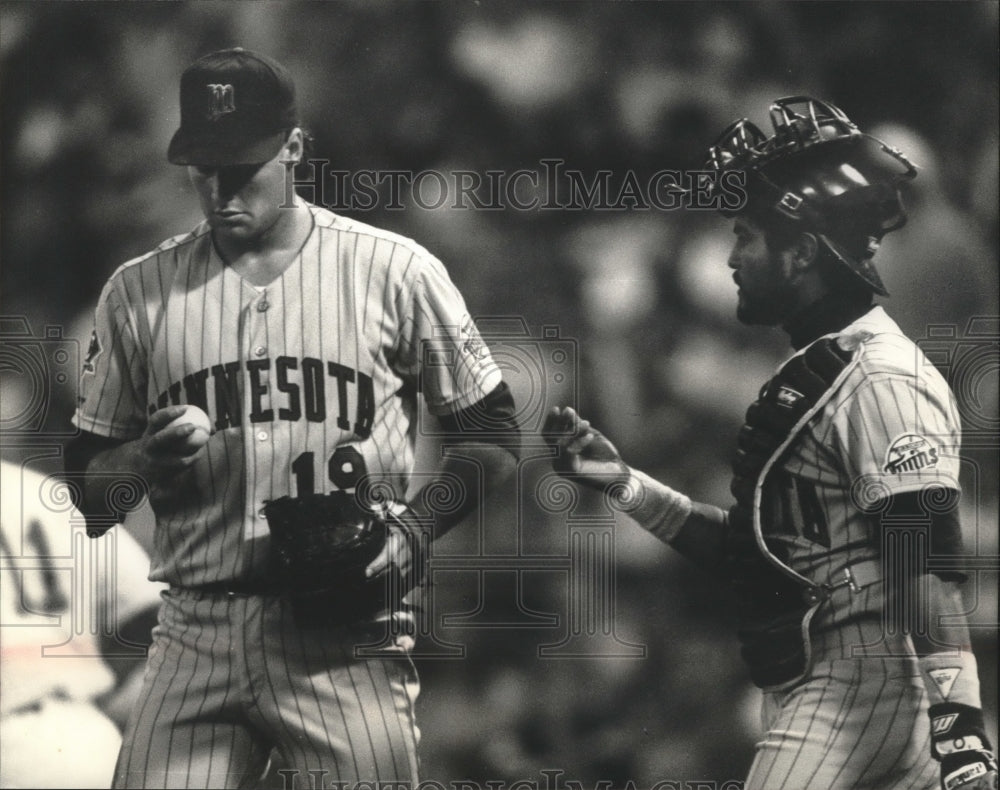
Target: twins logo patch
{"x": 787, "y": 397}
{"x": 909, "y": 452}
{"x": 93, "y": 352}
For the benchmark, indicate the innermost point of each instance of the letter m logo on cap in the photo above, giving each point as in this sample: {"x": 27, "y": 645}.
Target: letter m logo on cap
{"x": 221, "y": 100}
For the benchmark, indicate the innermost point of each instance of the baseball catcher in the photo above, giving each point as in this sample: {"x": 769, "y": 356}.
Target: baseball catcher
{"x": 847, "y": 462}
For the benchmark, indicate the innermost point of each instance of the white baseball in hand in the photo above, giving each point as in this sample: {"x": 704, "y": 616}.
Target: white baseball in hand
{"x": 202, "y": 427}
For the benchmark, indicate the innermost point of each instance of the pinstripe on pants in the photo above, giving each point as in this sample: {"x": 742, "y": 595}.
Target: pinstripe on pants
{"x": 851, "y": 724}
{"x": 229, "y": 675}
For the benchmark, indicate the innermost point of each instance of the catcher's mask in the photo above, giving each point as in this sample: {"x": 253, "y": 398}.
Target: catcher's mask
{"x": 819, "y": 173}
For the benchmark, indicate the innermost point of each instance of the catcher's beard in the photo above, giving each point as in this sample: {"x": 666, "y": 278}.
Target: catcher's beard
{"x": 769, "y": 301}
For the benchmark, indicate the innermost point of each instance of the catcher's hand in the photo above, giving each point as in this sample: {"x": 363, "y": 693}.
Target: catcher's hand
{"x": 972, "y": 769}
{"x": 585, "y": 454}
{"x": 958, "y": 740}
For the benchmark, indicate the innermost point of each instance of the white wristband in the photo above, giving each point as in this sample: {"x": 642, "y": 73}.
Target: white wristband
{"x": 969, "y": 743}
{"x": 655, "y": 507}
{"x": 951, "y": 677}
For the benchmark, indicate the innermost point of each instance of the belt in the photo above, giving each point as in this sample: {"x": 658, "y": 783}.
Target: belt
{"x": 856, "y": 577}
{"x": 238, "y": 588}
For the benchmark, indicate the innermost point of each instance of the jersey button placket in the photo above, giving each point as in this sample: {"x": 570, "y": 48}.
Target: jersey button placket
{"x": 260, "y": 349}
{"x": 259, "y": 455}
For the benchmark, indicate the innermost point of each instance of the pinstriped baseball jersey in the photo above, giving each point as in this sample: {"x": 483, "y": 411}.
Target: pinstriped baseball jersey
{"x": 858, "y": 719}
{"x": 892, "y": 427}
{"x": 310, "y": 382}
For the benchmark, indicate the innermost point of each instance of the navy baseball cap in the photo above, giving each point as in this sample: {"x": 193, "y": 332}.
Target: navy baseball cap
{"x": 237, "y": 107}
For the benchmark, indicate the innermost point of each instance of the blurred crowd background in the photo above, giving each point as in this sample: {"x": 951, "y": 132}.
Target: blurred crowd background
{"x": 89, "y": 102}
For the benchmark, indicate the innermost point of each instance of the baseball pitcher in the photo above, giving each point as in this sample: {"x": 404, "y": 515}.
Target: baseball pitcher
{"x": 261, "y": 374}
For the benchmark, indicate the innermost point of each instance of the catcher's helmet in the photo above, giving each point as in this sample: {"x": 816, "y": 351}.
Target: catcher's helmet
{"x": 818, "y": 172}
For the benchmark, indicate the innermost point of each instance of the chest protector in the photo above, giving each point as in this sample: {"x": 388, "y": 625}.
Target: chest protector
{"x": 776, "y": 604}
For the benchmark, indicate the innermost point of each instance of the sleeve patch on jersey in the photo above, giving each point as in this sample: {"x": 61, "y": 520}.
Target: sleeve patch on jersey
{"x": 910, "y": 452}
{"x": 472, "y": 343}
{"x": 93, "y": 352}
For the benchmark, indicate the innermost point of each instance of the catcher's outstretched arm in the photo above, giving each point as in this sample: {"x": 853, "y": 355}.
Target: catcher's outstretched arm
{"x": 695, "y": 529}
